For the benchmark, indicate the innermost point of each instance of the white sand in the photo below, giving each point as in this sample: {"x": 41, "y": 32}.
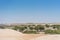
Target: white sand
{"x": 48, "y": 37}
{"x": 8, "y": 34}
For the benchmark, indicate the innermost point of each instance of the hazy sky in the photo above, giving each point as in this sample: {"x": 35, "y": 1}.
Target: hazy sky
{"x": 24, "y": 11}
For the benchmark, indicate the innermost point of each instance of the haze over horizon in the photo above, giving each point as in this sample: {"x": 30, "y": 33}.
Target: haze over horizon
{"x": 29, "y": 11}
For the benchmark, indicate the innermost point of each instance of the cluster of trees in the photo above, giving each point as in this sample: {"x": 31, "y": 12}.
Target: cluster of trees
{"x": 29, "y": 28}
{"x": 37, "y": 28}
{"x": 33, "y": 28}
{"x": 49, "y": 31}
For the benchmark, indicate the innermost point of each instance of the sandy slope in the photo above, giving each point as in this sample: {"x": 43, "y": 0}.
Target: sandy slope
{"x": 8, "y": 34}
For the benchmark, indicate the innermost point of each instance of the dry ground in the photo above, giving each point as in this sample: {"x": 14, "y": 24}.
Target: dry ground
{"x": 31, "y": 36}
{"x": 48, "y": 37}
{"x": 8, "y": 34}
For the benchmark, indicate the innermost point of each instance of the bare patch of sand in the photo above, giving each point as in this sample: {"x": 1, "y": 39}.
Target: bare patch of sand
{"x": 48, "y": 37}
{"x": 8, "y": 34}
{"x": 31, "y": 36}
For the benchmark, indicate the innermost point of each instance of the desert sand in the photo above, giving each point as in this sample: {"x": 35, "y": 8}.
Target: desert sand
{"x": 48, "y": 37}
{"x": 8, "y": 34}
{"x": 31, "y": 36}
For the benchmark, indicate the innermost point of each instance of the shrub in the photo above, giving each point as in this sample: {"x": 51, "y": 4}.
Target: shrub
{"x": 52, "y": 31}
{"x": 31, "y": 32}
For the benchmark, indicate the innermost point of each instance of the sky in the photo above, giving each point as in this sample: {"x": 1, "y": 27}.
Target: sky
{"x": 29, "y": 11}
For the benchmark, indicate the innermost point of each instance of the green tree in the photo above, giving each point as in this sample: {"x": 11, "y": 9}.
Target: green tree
{"x": 56, "y": 26}
{"x": 16, "y": 28}
{"x": 39, "y": 28}
{"x": 22, "y": 28}
{"x": 47, "y": 25}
